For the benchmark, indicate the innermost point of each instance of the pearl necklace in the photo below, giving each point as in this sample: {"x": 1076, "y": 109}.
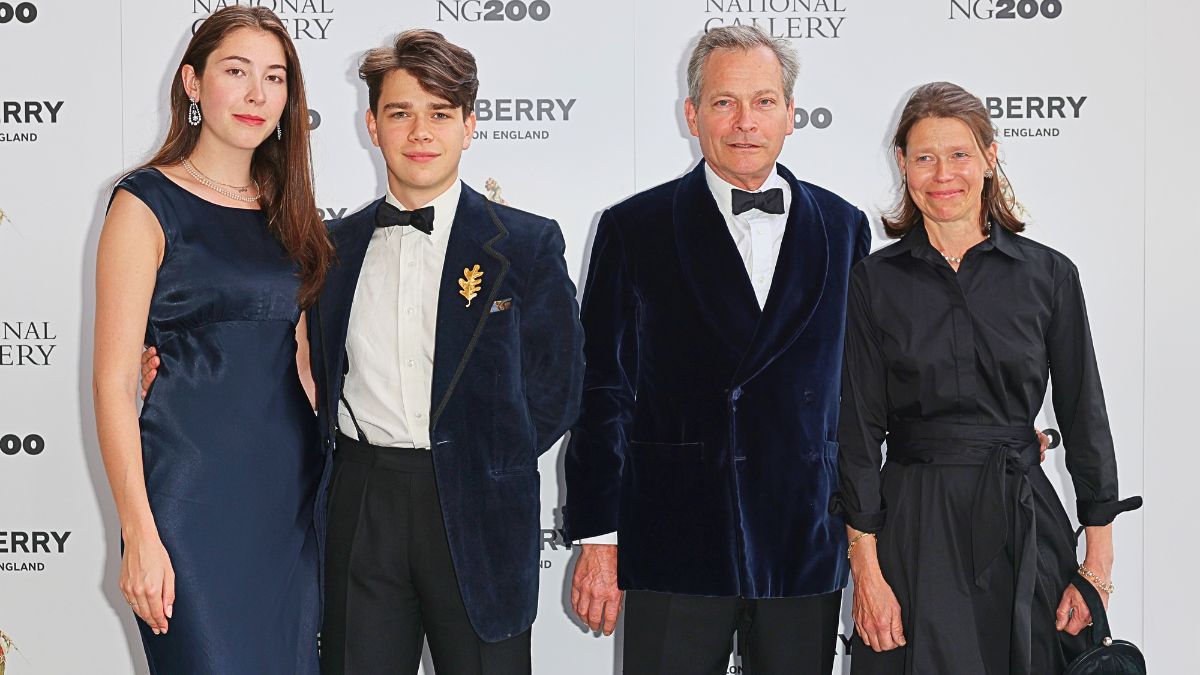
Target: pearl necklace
{"x": 221, "y": 187}
{"x": 952, "y": 259}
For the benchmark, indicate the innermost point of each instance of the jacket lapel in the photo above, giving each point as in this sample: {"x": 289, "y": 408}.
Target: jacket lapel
{"x": 712, "y": 267}
{"x": 475, "y": 230}
{"x": 797, "y": 285}
{"x": 338, "y": 295}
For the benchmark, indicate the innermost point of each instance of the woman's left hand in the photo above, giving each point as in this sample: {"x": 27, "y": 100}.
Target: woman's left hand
{"x": 1073, "y": 614}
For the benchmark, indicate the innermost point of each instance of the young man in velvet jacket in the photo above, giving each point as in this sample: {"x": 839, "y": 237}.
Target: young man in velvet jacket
{"x": 714, "y": 312}
{"x": 448, "y": 356}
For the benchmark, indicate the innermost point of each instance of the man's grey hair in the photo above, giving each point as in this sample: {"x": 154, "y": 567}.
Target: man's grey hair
{"x": 743, "y": 38}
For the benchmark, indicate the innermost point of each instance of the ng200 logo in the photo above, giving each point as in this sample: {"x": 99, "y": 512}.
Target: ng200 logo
{"x": 1005, "y": 9}
{"x": 11, "y": 444}
{"x": 493, "y": 10}
{"x": 24, "y": 12}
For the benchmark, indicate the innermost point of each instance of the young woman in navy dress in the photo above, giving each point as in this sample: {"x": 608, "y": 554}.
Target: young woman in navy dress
{"x": 211, "y": 251}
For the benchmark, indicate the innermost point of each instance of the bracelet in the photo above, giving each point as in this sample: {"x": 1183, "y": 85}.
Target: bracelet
{"x": 854, "y": 541}
{"x": 1106, "y": 586}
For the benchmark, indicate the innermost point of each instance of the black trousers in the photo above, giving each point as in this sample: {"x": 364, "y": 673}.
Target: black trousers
{"x": 389, "y": 580}
{"x": 670, "y": 634}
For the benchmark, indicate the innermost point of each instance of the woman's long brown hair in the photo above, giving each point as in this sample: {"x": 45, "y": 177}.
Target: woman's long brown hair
{"x": 283, "y": 168}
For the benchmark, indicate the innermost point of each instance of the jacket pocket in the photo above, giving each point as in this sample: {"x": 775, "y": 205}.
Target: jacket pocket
{"x": 666, "y": 452}
{"x": 514, "y": 471}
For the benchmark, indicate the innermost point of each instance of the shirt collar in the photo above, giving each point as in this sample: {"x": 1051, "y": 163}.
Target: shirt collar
{"x": 917, "y": 243}
{"x": 445, "y": 206}
{"x": 722, "y": 191}
{"x": 1006, "y": 242}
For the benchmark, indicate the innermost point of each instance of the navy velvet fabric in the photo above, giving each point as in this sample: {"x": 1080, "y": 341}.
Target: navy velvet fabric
{"x": 506, "y": 387}
{"x": 229, "y": 443}
{"x": 707, "y": 436}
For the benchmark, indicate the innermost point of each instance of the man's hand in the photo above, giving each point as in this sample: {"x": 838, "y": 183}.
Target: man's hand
{"x": 1043, "y": 442}
{"x": 594, "y": 593}
{"x": 150, "y": 362}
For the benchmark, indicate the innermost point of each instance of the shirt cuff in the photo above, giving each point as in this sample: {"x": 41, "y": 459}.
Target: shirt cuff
{"x": 610, "y": 538}
{"x": 1099, "y": 514}
{"x": 860, "y": 520}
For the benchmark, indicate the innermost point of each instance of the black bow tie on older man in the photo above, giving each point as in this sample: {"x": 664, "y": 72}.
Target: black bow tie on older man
{"x": 767, "y": 201}
{"x": 420, "y": 219}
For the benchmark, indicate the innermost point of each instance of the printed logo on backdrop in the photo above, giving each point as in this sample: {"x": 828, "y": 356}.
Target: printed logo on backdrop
{"x": 332, "y": 212}
{"x": 18, "y": 12}
{"x": 509, "y": 11}
{"x": 30, "y": 550}
{"x": 1033, "y": 116}
{"x": 793, "y": 19}
{"x": 521, "y": 119}
{"x": 554, "y": 547}
{"x": 16, "y": 444}
{"x": 304, "y": 19}
{"x": 26, "y": 343}
{"x": 812, "y": 118}
{"x": 1006, "y": 9}
{"x": 23, "y": 121}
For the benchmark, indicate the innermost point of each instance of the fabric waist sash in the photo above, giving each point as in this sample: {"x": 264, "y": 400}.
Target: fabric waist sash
{"x": 1000, "y": 452}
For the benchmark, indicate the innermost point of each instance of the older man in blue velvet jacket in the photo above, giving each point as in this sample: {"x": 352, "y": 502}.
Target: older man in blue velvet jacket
{"x": 713, "y": 314}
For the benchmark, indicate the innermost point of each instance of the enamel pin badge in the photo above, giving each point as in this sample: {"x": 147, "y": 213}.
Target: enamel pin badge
{"x": 470, "y": 284}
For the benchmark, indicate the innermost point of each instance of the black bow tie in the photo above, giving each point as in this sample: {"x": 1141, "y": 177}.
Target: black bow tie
{"x": 421, "y": 219}
{"x": 767, "y": 201}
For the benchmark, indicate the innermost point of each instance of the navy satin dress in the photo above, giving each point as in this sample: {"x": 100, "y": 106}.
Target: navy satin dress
{"x": 229, "y": 443}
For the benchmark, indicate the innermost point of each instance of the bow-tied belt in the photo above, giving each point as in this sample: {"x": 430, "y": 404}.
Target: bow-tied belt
{"x": 1000, "y": 452}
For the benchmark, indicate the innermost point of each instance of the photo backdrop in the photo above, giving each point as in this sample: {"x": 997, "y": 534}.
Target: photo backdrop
{"x": 580, "y": 106}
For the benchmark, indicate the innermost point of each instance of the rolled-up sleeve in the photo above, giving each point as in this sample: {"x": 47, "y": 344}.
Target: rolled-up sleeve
{"x": 1079, "y": 406}
{"x": 863, "y": 420}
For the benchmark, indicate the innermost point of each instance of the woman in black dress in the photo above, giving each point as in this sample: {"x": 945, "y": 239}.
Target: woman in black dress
{"x": 961, "y": 551}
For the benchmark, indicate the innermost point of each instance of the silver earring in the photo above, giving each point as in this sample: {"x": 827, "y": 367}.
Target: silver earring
{"x": 194, "y": 113}
{"x": 987, "y": 174}
{"x": 278, "y": 131}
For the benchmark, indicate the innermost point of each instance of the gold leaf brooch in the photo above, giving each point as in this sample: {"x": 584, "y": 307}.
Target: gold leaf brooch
{"x": 470, "y": 283}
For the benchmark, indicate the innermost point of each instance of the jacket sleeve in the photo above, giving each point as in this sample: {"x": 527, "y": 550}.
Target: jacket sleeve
{"x": 862, "y": 239}
{"x": 552, "y": 342}
{"x": 1079, "y": 407}
{"x": 596, "y": 453}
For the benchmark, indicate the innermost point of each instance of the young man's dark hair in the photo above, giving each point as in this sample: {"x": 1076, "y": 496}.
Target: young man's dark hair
{"x": 443, "y": 68}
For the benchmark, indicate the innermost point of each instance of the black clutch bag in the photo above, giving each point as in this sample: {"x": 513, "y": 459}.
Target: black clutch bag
{"x": 1104, "y": 656}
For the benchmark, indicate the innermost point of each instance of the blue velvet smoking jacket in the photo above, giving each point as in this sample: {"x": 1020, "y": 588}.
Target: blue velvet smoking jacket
{"x": 707, "y": 436}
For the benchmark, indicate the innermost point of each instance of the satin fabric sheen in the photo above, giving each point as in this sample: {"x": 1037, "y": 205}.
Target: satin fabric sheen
{"x": 229, "y": 444}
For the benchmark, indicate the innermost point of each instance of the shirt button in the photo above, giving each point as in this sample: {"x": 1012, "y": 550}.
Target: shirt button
{"x": 410, "y": 311}
{"x": 411, "y": 363}
{"x": 412, "y": 263}
{"x": 420, "y": 415}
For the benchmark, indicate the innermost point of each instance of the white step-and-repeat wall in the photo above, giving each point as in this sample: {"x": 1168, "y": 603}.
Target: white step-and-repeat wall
{"x": 580, "y": 105}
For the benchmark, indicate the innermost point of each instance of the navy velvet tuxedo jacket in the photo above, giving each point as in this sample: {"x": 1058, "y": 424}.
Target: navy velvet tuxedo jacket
{"x": 506, "y": 387}
{"x": 707, "y": 437}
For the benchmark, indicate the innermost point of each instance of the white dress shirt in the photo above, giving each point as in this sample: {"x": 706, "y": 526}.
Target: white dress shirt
{"x": 757, "y": 236}
{"x": 391, "y": 338}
